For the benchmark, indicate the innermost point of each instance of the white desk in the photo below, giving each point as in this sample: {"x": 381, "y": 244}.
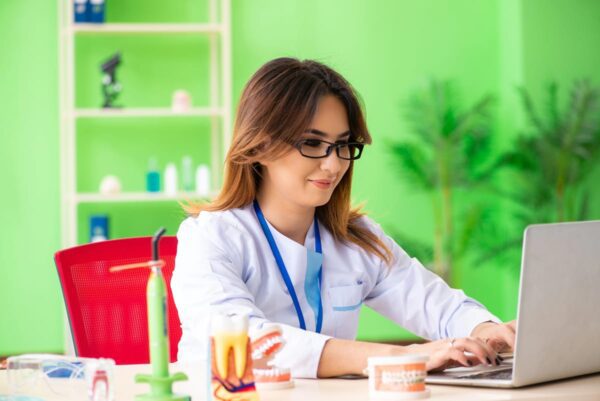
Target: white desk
{"x": 585, "y": 388}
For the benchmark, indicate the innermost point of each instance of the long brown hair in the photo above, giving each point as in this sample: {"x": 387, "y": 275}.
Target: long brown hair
{"x": 277, "y": 105}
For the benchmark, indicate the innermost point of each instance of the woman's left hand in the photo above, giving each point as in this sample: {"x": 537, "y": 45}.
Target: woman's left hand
{"x": 500, "y": 336}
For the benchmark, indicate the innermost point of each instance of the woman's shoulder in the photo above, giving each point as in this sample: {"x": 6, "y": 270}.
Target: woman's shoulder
{"x": 370, "y": 224}
{"x": 359, "y": 223}
{"x": 398, "y": 255}
{"x": 217, "y": 224}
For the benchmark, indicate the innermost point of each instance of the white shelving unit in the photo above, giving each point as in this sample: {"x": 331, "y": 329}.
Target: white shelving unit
{"x": 149, "y": 112}
{"x": 218, "y": 111}
{"x": 84, "y": 197}
{"x": 149, "y": 28}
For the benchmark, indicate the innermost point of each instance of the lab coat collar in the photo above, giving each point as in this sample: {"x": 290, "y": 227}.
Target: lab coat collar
{"x": 288, "y": 243}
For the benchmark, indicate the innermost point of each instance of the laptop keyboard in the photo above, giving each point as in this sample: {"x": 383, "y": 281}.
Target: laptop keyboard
{"x": 494, "y": 375}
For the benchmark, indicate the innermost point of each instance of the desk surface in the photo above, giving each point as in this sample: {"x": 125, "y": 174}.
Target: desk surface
{"x": 586, "y": 388}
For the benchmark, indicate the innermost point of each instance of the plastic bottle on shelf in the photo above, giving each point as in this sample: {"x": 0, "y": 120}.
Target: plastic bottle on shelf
{"x": 203, "y": 180}
{"x": 171, "y": 179}
{"x": 152, "y": 176}
{"x": 187, "y": 174}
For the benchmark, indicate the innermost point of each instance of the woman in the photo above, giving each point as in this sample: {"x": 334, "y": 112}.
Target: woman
{"x": 281, "y": 242}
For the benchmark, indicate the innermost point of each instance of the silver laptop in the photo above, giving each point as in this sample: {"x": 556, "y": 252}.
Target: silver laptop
{"x": 558, "y": 326}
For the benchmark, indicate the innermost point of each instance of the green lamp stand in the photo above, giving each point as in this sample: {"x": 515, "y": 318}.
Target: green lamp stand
{"x": 160, "y": 381}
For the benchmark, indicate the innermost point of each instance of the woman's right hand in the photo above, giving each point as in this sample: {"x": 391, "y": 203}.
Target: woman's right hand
{"x": 449, "y": 352}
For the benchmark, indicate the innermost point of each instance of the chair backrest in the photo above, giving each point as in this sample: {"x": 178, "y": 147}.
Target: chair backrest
{"x": 107, "y": 311}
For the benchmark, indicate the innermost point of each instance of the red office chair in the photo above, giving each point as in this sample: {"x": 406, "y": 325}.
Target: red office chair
{"x": 107, "y": 311}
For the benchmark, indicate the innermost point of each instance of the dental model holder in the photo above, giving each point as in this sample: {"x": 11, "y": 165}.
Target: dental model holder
{"x": 160, "y": 381}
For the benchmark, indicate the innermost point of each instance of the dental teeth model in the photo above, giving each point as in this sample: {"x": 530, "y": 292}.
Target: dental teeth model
{"x": 266, "y": 342}
{"x": 397, "y": 377}
{"x": 231, "y": 363}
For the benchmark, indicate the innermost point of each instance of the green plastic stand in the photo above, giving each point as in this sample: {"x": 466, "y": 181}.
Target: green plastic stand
{"x": 161, "y": 387}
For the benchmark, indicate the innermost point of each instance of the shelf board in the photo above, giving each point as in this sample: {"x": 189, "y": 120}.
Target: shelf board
{"x": 147, "y": 112}
{"x": 146, "y": 28}
{"x": 92, "y": 197}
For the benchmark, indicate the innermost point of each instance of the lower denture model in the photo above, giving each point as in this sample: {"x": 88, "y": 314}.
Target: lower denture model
{"x": 266, "y": 342}
{"x": 231, "y": 362}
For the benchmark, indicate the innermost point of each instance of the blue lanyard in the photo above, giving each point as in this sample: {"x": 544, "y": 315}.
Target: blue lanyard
{"x": 284, "y": 272}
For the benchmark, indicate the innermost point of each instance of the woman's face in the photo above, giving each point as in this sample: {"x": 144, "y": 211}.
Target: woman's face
{"x": 310, "y": 182}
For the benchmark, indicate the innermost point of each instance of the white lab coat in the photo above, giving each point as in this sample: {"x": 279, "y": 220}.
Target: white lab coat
{"x": 224, "y": 263}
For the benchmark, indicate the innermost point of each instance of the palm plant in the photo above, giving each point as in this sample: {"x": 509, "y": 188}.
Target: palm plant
{"x": 551, "y": 162}
{"x": 556, "y": 157}
{"x": 450, "y": 149}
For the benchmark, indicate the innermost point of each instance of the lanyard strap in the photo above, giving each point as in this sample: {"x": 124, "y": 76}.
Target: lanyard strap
{"x": 284, "y": 272}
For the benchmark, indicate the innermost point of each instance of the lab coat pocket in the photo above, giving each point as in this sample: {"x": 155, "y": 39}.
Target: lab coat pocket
{"x": 346, "y": 298}
{"x": 345, "y": 303}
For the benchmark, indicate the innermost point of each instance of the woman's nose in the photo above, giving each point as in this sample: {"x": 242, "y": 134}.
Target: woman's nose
{"x": 331, "y": 163}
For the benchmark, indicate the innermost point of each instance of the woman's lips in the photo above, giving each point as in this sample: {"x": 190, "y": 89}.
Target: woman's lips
{"x": 322, "y": 184}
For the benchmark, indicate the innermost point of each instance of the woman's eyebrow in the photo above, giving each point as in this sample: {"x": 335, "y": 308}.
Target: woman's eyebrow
{"x": 321, "y": 133}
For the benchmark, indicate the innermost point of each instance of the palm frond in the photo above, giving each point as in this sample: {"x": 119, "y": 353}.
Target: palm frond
{"x": 412, "y": 246}
{"x": 471, "y": 222}
{"x": 414, "y": 164}
{"x": 472, "y": 118}
{"x": 553, "y": 112}
{"x": 530, "y": 110}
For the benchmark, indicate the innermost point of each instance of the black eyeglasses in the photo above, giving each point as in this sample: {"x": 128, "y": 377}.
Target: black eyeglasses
{"x": 317, "y": 149}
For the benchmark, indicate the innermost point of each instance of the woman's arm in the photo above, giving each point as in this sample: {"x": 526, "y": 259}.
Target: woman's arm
{"x": 343, "y": 357}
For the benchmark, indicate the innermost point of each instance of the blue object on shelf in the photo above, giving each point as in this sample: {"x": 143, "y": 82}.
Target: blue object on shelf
{"x": 152, "y": 176}
{"x": 81, "y": 10}
{"x": 153, "y": 181}
{"x": 98, "y": 227}
{"x": 96, "y": 11}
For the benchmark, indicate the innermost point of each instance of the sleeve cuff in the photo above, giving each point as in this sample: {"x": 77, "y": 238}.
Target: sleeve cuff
{"x": 302, "y": 351}
{"x": 470, "y": 320}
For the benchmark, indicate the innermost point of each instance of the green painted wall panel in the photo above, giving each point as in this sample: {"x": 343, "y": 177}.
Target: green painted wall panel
{"x": 30, "y": 299}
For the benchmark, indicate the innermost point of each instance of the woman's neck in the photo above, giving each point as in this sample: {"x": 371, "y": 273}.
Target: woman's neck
{"x": 290, "y": 219}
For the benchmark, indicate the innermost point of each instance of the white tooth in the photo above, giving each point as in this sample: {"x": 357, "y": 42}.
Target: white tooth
{"x": 220, "y": 324}
{"x": 240, "y": 323}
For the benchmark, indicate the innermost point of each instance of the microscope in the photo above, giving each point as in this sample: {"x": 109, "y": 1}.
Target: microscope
{"x": 110, "y": 87}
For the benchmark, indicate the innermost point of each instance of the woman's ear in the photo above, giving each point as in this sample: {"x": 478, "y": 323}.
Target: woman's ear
{"x": 258, "y": 167}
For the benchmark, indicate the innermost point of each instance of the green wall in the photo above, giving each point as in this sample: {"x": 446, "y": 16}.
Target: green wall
{"x": 386, "y": 49}
{"x": 29, "y": 164}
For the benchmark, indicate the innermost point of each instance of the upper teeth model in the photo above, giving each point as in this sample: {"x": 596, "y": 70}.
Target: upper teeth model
{"x": 266, "y": 342}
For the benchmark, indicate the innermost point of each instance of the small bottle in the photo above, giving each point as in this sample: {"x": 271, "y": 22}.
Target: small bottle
{"x": 203, "y": 180}
{"x": 152, "y": 176}
{"x": 187, "y": 174}
{"x": 171, "y": 179}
